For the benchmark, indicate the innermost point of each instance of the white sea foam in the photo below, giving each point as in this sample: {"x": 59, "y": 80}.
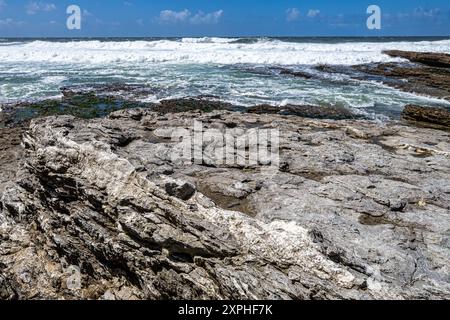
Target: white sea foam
{"x": 210, "y": 51}
{"x": 209, "y": 40}
{"x": 55, "y": 80}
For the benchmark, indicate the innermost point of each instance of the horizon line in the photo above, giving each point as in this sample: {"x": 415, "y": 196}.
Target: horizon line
{"x": 241, "y": 36}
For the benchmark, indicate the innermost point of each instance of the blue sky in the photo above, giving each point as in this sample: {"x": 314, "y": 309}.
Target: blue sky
{"x": 179, "y": 18}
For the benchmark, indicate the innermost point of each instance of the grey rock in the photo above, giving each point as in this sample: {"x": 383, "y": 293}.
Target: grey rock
{"x": 358, "y": 210}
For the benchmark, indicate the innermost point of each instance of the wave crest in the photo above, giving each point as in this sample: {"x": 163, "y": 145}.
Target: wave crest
{"x": 210, "y": 51}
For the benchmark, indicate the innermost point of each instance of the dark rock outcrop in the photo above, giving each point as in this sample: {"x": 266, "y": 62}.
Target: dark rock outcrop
{"x": 293, "y": 73}
{"x": 183, "y": 191}
{"x": 436, "y": 116}
{"x": 123, "y": 90}
{"x": 87, "y": 103}
{"x": 431, "y": 59}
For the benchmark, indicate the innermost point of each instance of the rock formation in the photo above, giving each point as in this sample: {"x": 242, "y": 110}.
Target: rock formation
{"x": 100, "y": 209}
{"x": 437, "y": 116}
{"x": 431, "y": 59}
{"x": 425, "y": 73}
{"x": 434, "y": 82}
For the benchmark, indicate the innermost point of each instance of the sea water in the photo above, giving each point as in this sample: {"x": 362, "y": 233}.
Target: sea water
{"x": 243, "y": 71}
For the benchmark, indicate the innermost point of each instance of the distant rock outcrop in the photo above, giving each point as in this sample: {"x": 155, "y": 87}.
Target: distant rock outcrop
{"x": 431, "y": 59}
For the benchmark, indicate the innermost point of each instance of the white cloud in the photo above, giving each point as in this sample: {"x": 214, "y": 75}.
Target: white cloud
{"x": 207, "y": 18}
{"x": 6, "y": 22}
{"x": 292, "y": 14}
{"x": 169, "y": 16}
{"x": 140, "y": 22}
{"x": 312, "y": 13}
{"x": 2, "y": 4}
{"x": 34, "y": 7}
{"x": 426, "y": 13}
{"x": 420, "y": 13}
{"x": 174, "y": 16}
{"x": 9, "y": 23}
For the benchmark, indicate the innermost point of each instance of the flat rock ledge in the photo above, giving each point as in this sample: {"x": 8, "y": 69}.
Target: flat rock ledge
{"x": 98, "y": 209}
{"x": 429, "y": 115}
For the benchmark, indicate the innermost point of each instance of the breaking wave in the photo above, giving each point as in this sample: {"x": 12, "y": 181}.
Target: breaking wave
{"x": 222, "y": 51}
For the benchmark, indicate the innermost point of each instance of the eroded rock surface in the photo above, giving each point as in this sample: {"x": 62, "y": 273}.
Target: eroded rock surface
{"x": 431, "y": 59}
{"x": 355, "y": 211}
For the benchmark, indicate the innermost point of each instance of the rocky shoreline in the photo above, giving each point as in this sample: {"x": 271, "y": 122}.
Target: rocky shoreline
{"x": 355, "y": 211}
{"x": 93, "y": 205}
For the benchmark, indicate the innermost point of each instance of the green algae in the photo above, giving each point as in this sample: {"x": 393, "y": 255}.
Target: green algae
{"x": 85, "y": 106}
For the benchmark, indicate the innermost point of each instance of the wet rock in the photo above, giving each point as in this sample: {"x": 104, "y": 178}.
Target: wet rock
{"x": 264, "y": 109}
{"x": 431, "y": 59}
{"x": 432, "y": 115}
{"x": 306, "y": 111}
{"x": 81, "y": 105}
{"x": 183, "y": 191}
{"x": 193, "y": 104}
{"x": 294, "y": 73}
{"x": 417, "y": 79}
{"x": 118, "y": 90}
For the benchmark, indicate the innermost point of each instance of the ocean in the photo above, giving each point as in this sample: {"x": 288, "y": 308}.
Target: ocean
{"x": 243, "y": 71}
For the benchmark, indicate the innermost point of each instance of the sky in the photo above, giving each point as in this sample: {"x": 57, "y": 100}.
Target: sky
{"x": 184, "y": 18}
